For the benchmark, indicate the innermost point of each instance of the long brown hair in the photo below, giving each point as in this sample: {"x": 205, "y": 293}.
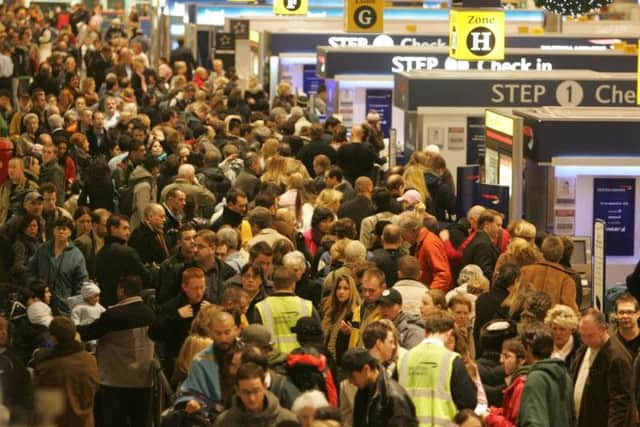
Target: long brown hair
{"x": 335, "y": 311}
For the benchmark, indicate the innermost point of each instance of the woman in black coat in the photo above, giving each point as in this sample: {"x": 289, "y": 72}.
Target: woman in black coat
{"x": 97, "y": 191}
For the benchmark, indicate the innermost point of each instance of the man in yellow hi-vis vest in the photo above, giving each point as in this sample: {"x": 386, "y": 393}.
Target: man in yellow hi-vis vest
{"x": 280, "y": 311}
{"x": 435, "y": 377}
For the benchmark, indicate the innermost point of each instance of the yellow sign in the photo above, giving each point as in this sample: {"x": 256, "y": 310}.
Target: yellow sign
{"x": 363, "y": 16}
{"x": 638, "y": 77}
{"x": 290, "y": 7}
{"x": 496, "y": 121}
{"x": 476, "y": 35}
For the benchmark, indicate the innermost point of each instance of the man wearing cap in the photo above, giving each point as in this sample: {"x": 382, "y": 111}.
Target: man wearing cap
{"x": 379, "y": 401}
{"x": 259, "y": 336}
{"x": 435, "y": 377}
{"x": 13, "y": 188}
{"x": 280, "y": 311}
{"x": 68, "y": 368}
{"x": 410, "y": 327}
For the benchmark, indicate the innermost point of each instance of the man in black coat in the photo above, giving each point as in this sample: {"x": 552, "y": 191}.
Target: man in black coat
{"x": 379, "y": 401}
{"x": 216, "y": 271}
{"x": 356, "y": 158}
{"x": 174, "y": 317}
{"x": 170, "y": 275}
{"x": 317, "y": 146}
{"x": 98, "y": 137}
{"x": 174, "y": 204}
{"x": 387, "y": 257}
{"x": 233, "y": 212}
{"x": 360, "y": 206}
{"x": 481, "y": 251}
{"x": 182, "y": 53}
{"x": 116, "y": 260}
{"x": 148, "y": 239}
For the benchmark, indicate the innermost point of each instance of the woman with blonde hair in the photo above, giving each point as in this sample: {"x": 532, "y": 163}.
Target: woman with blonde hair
{"x": 523, "y": 229}
{"x": 275, "y": 171}
{"x": 329, "y": 198}
{"x": 564, "y": 325}
{"x": 338, "y": 309}
{"x": 198, "y": 339}
{"x": 413, "y": 177}
{"x": 268, "y": 150}
{"x": 520, "y": 252}
{"x": 298, "y": 200}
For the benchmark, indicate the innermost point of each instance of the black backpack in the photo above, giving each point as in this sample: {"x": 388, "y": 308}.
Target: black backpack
{"x": 308, "y": 369}
{"x": 124, "y": 195}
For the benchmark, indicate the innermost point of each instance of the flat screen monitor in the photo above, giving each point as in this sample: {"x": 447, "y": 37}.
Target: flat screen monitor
{"x": 580, "y": 251}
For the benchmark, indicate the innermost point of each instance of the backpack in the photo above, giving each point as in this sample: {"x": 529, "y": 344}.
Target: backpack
{"x": 308, "y": 370}
{"x": 124, "y": 195}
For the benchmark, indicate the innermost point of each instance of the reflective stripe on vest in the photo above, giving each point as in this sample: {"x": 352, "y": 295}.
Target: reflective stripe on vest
{"x": 425, "y": 372}
{"x": 279, "y": 314}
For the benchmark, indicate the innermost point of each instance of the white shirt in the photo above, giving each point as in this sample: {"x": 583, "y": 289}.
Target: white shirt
{"x": 583, "y": 375}
{"x": 6, "y": 66}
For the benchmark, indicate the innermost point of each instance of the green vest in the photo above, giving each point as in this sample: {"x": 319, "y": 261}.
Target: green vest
{"x": 279, "y": 314}
{"x": 425, "y": 372}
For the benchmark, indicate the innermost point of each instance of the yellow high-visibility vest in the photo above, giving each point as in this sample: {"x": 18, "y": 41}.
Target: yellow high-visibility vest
{"x": 425, "y": 372}
{"x": 279, "y": 314}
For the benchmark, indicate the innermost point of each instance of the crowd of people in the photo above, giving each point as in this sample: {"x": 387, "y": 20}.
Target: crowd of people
{"x": 172, "y": 239}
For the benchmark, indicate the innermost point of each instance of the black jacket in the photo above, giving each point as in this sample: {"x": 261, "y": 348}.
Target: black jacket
{"x": 53, "y": 173}
{"x": 492, "y": 376}
{"x": 387, "y": 261}
{"x": 145, "y": 241}
{"x": 215, "y": 278}
{"x": 249, "y": 183}
{"x": 385, "y": 404}
{"x": 228, "y": 217}
{"x": 309, "y": 151}
{"x": 487, "y": 307}
{"x": 105, "y": 142}
{"x": 215, "y": 180}
{"x": 355, "y": 160}
{"x": 357, "y": 209}
{"x": 607, "y": 395}
{"x": 169, "y": 327}
{"x": 171, "y": 228}
{"x": 481, "y": 252}
{"x": 116, "y": 260}
{"x": 170, "y": 277}
{"x": 443, "y": 199}
{"x": 97, "y": 194}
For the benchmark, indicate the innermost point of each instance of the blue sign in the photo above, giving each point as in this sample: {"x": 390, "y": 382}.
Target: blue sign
{"x": 494, "y": 197}
{"x": 380, "y": 100}
{"x": 614, "y": 203}
{"x": 468, "y": 178}
{"x": 475, "y": 140}
{"x": 310, "y": 80}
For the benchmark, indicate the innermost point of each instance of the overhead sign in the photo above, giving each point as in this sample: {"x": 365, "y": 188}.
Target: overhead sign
{"x": 363, "y": 16}
{"x": 290, "y": 7}
{"x": 386, "y": 61}
{"x": 476, "y": 35}
{"x": 308, "y": 42}
{"x": 533, "y": 91}
{"x": 638, "y": 80}
{"x": 614, "y": 203}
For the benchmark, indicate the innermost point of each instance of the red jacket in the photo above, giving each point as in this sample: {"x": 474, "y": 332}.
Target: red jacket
{"x": 432, "y": 256}
{"x": 508, "y": 414}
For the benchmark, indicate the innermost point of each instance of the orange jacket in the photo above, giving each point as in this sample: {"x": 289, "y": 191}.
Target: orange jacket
{"x": 432, "y": 256}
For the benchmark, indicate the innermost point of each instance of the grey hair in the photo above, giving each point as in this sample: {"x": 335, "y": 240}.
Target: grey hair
{"x": 355, "y": 251}
{"x": 407, "y": 221}
{"x": 151, "y": 208}
{"x": 55, "y": 121}
{"x": 228, "y": 237}
{"x": 475, "y": 211}
{"x": 309, "y": 399}
{"x": 186, "y": 171}
{"x": 294, "y": 258}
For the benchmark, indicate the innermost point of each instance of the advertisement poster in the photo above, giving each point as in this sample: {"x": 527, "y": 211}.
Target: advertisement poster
{"x": 380, "y": 100}
{"x": 614, "y": 203}
{"x": 455, "y": 138}
{"x": 475, "y": 140}
{"x": 310, "y": 80}
{"x": 491, "y": 165}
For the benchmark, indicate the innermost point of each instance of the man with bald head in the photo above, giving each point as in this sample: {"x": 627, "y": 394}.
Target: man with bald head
{"x": 13, "y": 188}
{"x": 189, "y": 185}
{"x": 209, "y": 384}
{"x": 148, "y": 238}
{"x": 361, "y": 205}
{"x": 357, "y": 158}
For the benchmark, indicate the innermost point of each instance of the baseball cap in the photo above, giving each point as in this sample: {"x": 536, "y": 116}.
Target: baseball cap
{"x": 410, "y": 196}
{"x": 32, "y": 196}
{"x": 257, "y": 335}
{"x": 390, "y": 297}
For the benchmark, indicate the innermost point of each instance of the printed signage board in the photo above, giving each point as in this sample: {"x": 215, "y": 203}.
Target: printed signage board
{"x": 290, "y": 7}
{"x": 363, "y": 16}
{"x": 476, "y": 35}
{"x": 614, "y": 203}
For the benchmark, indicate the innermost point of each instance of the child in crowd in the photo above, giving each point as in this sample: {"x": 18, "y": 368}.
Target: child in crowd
{"x": 90, "y": 309}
